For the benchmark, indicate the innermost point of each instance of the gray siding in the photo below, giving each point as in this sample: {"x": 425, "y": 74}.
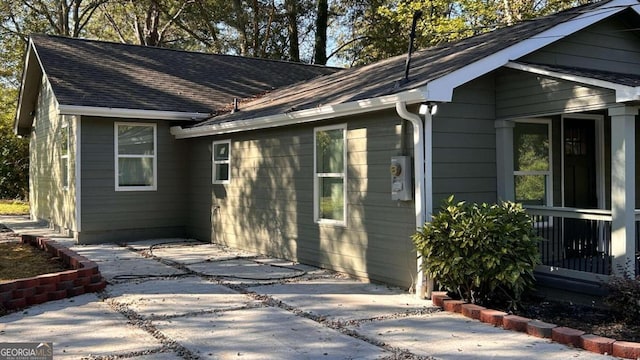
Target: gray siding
{"x": 520, "y": 94}
{"x": 608, "y": 46}
{"x": 109, "y": 215}
{"x": 49, "y": 199}
{"x": 464, "y": 145}
{"x": 268, "y": 204}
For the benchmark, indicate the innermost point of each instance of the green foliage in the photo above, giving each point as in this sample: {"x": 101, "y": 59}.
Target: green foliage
{"x": 624, "y": 297}
{"x": 484, "y": 253}
{"x": 380, "y": 28}
{"x": 14, "y": 152}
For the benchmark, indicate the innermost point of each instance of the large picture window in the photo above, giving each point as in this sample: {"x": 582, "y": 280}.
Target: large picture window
{"x": 330, "y": 174}
{"x": 532, "y": 162}
{"x": 221, "y": 161}
{"x": 135, "y": 150}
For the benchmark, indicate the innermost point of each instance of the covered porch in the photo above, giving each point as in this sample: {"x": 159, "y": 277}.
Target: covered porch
{"x": 575, "y": 172}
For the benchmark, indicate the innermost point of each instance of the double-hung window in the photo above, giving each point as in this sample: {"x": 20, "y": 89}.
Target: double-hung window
{"x": 64, "y": 155}
{"x": 532, "y": 162}
{"x": 330, "y": 161}
{"x": 221, "y": 158}
{"x": 135, "y": 156}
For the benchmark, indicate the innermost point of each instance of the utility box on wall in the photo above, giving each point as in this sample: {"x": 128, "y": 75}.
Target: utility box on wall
{"x": 401, "y": 185}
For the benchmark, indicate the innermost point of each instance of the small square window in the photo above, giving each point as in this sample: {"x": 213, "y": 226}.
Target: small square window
{"x": 221, "y": 161}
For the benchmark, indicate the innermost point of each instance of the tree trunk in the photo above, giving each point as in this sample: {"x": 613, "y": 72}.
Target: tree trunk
{"x": 320, "y": 48}
{"x": 292, "y": 17}
{"x": 240, "y": 24}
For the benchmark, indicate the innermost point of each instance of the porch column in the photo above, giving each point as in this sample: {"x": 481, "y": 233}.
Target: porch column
{"x": 504, "y": 159}
{"x": 623, "y": 188}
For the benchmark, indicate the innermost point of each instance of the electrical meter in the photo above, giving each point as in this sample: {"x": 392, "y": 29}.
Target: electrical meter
{"x": 401, "y": 186}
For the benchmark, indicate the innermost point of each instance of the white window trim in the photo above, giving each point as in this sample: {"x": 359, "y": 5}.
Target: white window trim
{"x": 548, "y": 173}
{"x": 214, "y": 162}
{"x": 65, "y": 157}
{"x": 154, "y": 186}
{"x": 316, "y": 177}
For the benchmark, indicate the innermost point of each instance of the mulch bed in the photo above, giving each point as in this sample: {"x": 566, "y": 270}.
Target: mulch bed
{"x": 593, "y": 320}
{"x": 19, "y": 261}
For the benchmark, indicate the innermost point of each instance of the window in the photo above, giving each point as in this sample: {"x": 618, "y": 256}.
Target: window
{"x": 221, "y": 160}
{"x": 64, "y": 155}
{"x": 135, "y": 163}
{"x": 532, "y": 162}
{"x": 330, "y": 174}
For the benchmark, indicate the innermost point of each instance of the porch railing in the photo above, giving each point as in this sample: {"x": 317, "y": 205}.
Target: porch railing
{"x": 574, "y": 239}
{"x": 637, "y": 257}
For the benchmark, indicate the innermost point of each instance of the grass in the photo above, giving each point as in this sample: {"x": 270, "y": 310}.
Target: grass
{"x": 19, "y": 261}
{"x": 13, "y": 207}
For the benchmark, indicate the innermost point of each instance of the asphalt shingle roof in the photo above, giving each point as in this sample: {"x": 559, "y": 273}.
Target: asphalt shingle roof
{"x": 113, "y": 75}
{"x": 381, "y": 78}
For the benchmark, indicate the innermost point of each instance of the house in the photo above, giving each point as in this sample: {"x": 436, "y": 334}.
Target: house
{"x": 542, "y": 112}
{"x": 77, "y": 95}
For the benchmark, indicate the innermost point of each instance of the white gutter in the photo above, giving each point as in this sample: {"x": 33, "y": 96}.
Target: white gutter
{"x": 299, "y": 117}
{"x": 422, "y": 140}
{"x": 130, "y": 113}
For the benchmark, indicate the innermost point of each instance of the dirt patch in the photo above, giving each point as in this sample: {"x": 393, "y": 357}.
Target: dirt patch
{"x": 19, "y": 261}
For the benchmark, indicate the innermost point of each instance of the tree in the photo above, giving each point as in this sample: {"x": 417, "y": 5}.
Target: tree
{"x": 379, "y": 29}
{"x": 20, "y": 18}
{"x": 320, "y": 48}
{"x": 292, "y": 22}
{"x": 144, "y": 22}
{"x": 14, "y": 152}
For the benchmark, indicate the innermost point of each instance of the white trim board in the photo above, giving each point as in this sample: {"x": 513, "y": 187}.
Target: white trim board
{"x": 130, "y": 113}
{"x": 301, "y": 116}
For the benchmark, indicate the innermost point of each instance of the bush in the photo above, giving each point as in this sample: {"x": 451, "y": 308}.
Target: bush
{"x": 624, "y": 297}
{"x": 483, "y": 253}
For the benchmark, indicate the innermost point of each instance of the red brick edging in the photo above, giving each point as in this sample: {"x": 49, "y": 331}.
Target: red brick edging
{"x": 563, "y": 335}
{"x": 84, "y": 277}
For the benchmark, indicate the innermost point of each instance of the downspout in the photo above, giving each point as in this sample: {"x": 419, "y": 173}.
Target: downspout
{"x": 422, "y": 170}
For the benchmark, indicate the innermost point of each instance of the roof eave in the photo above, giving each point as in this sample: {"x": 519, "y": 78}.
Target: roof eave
{"x": 301, "y": 116}
{"x": 32, "y": 73}
{"x": 441, "y": 89}
{"x": 130, "y": 113}
{"x": 623, "y": 93}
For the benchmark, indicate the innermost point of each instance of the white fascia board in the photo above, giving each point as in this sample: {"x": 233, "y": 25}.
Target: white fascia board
{"x": 302, "y": 116}
{"x": 27, "y": 66}
{"x": 623, "y": 93}
{"x": 129, "y": 113}
{"x": 441, "y": 89}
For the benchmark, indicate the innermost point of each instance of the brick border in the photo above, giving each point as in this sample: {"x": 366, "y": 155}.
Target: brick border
{"x": 563, "y": 335}
{"x": 84, "y": 277}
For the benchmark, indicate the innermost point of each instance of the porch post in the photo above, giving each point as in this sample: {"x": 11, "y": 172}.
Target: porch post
{"x": 504, "y": 159}
{"x": 623, "y": 188}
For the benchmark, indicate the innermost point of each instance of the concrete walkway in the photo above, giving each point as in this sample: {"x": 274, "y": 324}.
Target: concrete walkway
{"x": 181, "y": 299}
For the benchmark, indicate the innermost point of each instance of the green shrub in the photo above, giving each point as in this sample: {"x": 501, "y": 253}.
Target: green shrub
{"x": 624, "y": 297}
{"x": 484, "y": 253}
